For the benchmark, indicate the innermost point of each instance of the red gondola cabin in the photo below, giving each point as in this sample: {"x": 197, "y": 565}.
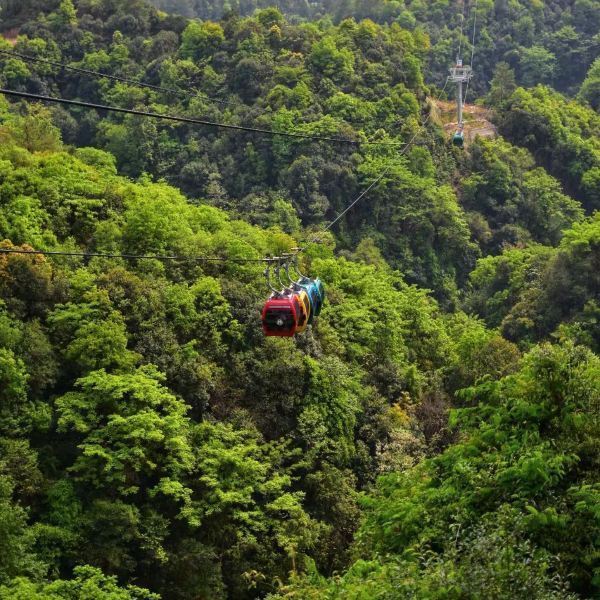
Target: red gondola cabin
{"x": 280, "y": 316}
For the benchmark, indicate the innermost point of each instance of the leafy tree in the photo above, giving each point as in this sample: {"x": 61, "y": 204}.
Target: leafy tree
{"x": 201, "y": 39}
{"x": 590, "y": 88}
{"x": 36, "y": 131}
{"x": 502, "y": 85}
{"x": 140, "y": 434}
{"x": 561, "y": 133}
{"x": 17, "y": 557}
{"x": 65, "y": 15}
{"x": 537, "y": 65}
{"x": 530, "y": 293}
{"x": 331, "y": 61}
{"x": 509, "y": 192}
{"x": 88, "y": 582}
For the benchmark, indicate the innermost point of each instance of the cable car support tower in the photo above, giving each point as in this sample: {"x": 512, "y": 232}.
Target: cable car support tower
{"x": 460, "y": 75}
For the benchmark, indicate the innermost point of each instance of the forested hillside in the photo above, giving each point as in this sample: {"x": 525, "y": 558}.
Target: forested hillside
{"x": 435, "y": 432}
{"x": 550, "y": 42}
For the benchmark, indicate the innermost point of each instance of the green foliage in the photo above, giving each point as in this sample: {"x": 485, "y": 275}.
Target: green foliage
{"x": 551, "y": 41}
{"x": 17, "y": 557}
{"x": 35, "y": 132}
{"x": 520, "y": 203}
{"x": 415, "y": 231}
{"x": 590, "y": 88}
{"x": 537, "y": 292}
{"x": 87, "y": 583}
{"x": 218, "y": 468}
{"x": 537, "y": 66}
{"x": 64, "y": 15}
{"x": 502, "y": 85}
{"x": 141, "y": 436}
{"x": 201, "y": 39}
{"x": 563, "y": 135}
{"x": 315, "y": 76}
{"x": 335, "y": 63}
{"x": 151, "y": 436}
{"x": 498, "y": 501}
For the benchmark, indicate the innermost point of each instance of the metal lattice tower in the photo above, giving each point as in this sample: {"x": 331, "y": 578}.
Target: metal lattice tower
{"x": 460, "y": 74}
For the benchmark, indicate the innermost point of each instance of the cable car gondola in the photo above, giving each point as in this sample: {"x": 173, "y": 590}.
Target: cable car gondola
{"x": 292, "y": 308}
{"x": 310, "y": 287}
{"x": 303, "y": 299}
{"x": 318, "y": 284}
{"x": 280, "y": 316}
{"x": 458, "y": 139}
{"x": 315, "y": 300}
{"x": 281, "y": 312}
{"x": 304, "y": 316}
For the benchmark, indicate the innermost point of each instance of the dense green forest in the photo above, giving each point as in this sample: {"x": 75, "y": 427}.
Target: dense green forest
{"x": 550, "y": 42}
{"x": 434, "y": 434}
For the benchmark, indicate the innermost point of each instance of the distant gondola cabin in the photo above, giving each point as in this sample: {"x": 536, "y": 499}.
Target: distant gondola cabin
{"x": 458, "y": 139}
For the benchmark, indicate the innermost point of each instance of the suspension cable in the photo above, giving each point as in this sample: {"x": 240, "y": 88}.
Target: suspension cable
{"x": 189, "y": 120}
{"x": 364, "y": 193}
{"x": 179, "y": 119}
{"x": 172, "y": 258}
{"x": 193, "y": 121}
{"x": 143, "y": 84}
{"x": 100, "y": 74}
{"x": 462, "y": 26}
{"x": 472, "y": 50}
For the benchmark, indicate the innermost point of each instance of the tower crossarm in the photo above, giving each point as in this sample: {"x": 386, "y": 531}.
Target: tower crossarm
{"x": 461, "y": 73}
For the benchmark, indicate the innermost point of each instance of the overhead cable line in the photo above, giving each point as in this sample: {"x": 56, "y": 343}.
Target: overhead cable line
{"x": 364, "y": 193}
{"x": 472, "y": 48}
{"x": 143, "y": 84}
{"x": 474, "y": 32}
{"x": 191, "y": 120}
{"x": 193, "y": 259}
{"x": 462, "y": 25}
{"x": 100, "y": 74}
{"x": 358, "y": 199}
{"x": 373, "y": 185}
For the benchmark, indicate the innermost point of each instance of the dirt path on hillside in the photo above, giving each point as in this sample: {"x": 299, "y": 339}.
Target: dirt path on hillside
{"x": 476, "y": 119}
{"x": 11, "y": 36}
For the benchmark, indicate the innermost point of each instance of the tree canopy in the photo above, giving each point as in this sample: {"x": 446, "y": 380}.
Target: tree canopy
{"x": 434, "y": 433}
